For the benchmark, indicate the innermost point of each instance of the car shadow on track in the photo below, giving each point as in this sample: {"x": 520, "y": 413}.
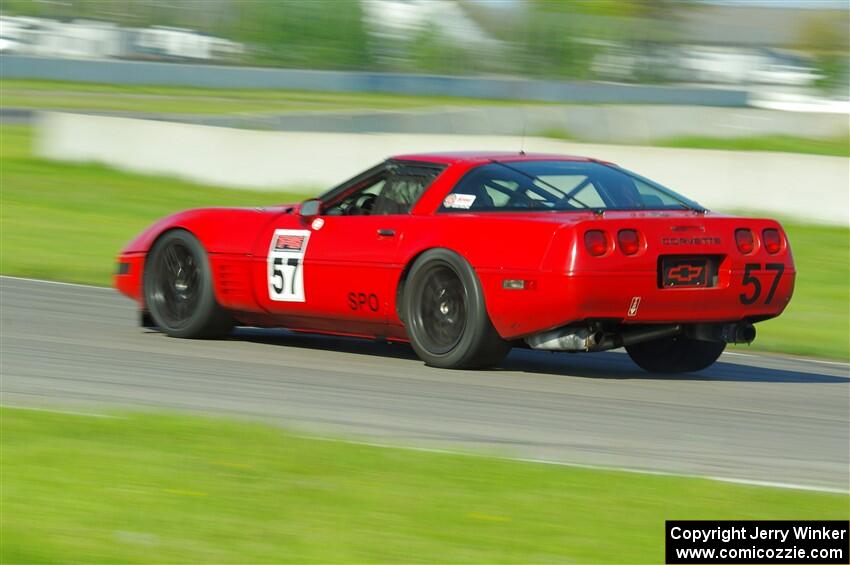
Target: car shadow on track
{"x": 617, "y": 366}
{"x": 612, "y": 365}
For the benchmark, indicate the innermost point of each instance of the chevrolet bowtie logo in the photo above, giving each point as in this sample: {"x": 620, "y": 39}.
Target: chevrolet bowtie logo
{"x": 685, "y": 273}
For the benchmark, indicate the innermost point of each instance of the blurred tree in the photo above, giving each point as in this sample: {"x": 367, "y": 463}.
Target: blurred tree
{"x": 300, "y": 33}
{"x": 825, "y": 38}
{"x": 432, "y": 52}
{"x": 544, "y": 38}
{"x": 303, "y": 33}
{"x": 563, "y": 38}
{"x": 653, "y": 9}
{"x": 555, "y": 47}
{"x": 202, "y": 15}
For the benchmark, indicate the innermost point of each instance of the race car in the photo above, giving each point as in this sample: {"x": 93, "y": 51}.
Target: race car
{"x": 465, "y": 255}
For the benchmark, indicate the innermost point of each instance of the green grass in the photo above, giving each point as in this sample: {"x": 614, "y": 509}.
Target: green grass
{"x": 55, "y": 95}
{"x": 839, "y": 147}
{"x": 169, "y": 489}
{"x": 68, "y": 222}
{"x": 94, "y": 211}
{"x": 836, "y": 147}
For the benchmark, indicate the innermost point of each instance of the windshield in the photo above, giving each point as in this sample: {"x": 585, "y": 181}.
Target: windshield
{"x": 559, "y": 185}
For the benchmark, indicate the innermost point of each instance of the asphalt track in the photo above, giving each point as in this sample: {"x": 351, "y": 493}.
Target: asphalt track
{"x": 749, "y": 417}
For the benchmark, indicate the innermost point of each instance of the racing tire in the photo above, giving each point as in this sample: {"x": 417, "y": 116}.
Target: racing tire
{"x": 178, "y": 289}
{"x": 676, "y": 354}
{"x": 146, "y": 320}
{"x": 445, "y": 314}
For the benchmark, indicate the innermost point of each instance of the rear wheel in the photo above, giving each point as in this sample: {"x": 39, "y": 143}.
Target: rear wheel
{"x": 676, "y": 354}
{"x": 178, "y": 289}
{"x": 445, "y": 314}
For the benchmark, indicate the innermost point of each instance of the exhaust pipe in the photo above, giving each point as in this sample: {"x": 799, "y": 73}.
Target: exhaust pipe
{"x": 565, "y": 339}
{"x": 614, "y": 341}
{"x": 589, "y": 339}
{"x": 738, "y": 332}
{"x": 583, "y": 338}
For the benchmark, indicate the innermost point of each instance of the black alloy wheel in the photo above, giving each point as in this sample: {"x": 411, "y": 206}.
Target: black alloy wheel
{"x": 177, "y": 285}
{"x": 445, "y": 315}
{"x": 178, "y": 288}
{"x": 441, "y": 309}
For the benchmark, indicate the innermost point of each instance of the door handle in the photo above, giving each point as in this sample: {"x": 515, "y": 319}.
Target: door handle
{"x": 386, "y": 233}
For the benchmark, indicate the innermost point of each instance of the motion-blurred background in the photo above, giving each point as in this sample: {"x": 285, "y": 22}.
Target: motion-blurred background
{"x": 780, "y": 46}
{"x": 114, "y": 113}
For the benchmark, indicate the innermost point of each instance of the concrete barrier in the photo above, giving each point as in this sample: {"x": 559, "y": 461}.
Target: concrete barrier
{"x": 611, "y": 123}
{"x": 809, "y": 187}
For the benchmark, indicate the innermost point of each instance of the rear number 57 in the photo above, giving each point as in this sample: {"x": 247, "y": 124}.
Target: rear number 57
{"x": 750, "y": 281}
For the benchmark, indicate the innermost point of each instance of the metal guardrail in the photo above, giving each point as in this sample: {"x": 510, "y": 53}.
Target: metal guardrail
{"x": 214, "y": 76}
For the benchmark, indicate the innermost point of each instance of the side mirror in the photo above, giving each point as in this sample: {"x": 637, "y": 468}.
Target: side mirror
{"x": 310, "y": 208}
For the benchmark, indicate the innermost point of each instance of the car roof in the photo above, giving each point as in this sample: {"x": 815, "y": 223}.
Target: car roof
{"x": 477, "y": 157}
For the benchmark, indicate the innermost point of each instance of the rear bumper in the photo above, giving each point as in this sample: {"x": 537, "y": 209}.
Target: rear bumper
{"x": 626, "y": 298}
{"x": 637, "y": 299}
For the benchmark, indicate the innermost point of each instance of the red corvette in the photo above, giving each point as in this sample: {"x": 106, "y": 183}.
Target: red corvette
{"x": 466, "y": 255}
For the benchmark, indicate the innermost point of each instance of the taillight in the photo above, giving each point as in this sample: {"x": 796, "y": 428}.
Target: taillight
{"x": 744, "y": 239}
{"x": 772, "y": 240}
{"x": 629, "y": 241}
{"x": 596, "y": 242}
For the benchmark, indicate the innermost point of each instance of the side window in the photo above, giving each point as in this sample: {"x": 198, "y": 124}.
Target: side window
{"x": 500, "y": 192}
{"x": 393, "y": 191}
{"x": 496, "y": 187}
{"x": 360, "y": 202}
{"x": 485, "y": 189}
{"x": 404, "y": 186}
{"x": 556, "y": 185}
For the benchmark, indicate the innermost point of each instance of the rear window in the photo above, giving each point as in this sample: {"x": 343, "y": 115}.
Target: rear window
{"x": 558, "y": 185}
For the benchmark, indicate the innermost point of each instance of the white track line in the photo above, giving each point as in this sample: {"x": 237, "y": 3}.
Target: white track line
{"x": 55, "y": 282}
{"x": 58, "y": 411}
{"x": 733, "y": 480}
{"x": 805, "y": 359}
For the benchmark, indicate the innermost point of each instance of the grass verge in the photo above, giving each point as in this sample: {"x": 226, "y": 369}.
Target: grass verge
{"x": 56, "y": 95}
{"x": 839, "y": 147}
{"x": 169, "y": 489}
{"x": 68, "y": 222}
{"x": 836, "y": 147}
{"x": 94, "y": 210}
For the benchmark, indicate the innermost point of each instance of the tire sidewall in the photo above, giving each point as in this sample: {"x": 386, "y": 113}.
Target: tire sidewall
{"x": 477, "y": 320}
{"x": 201, "y": 317}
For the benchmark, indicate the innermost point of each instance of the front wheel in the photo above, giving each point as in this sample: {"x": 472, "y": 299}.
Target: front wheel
{"x": 445, "y": 314}
{"x": 178, "y": 288}
{"x": 676, "y": 354}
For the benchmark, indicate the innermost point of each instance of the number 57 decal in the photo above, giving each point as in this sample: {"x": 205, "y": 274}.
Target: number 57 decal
{"x": 285, "y": 265}
{"x": 750, "y": 280}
